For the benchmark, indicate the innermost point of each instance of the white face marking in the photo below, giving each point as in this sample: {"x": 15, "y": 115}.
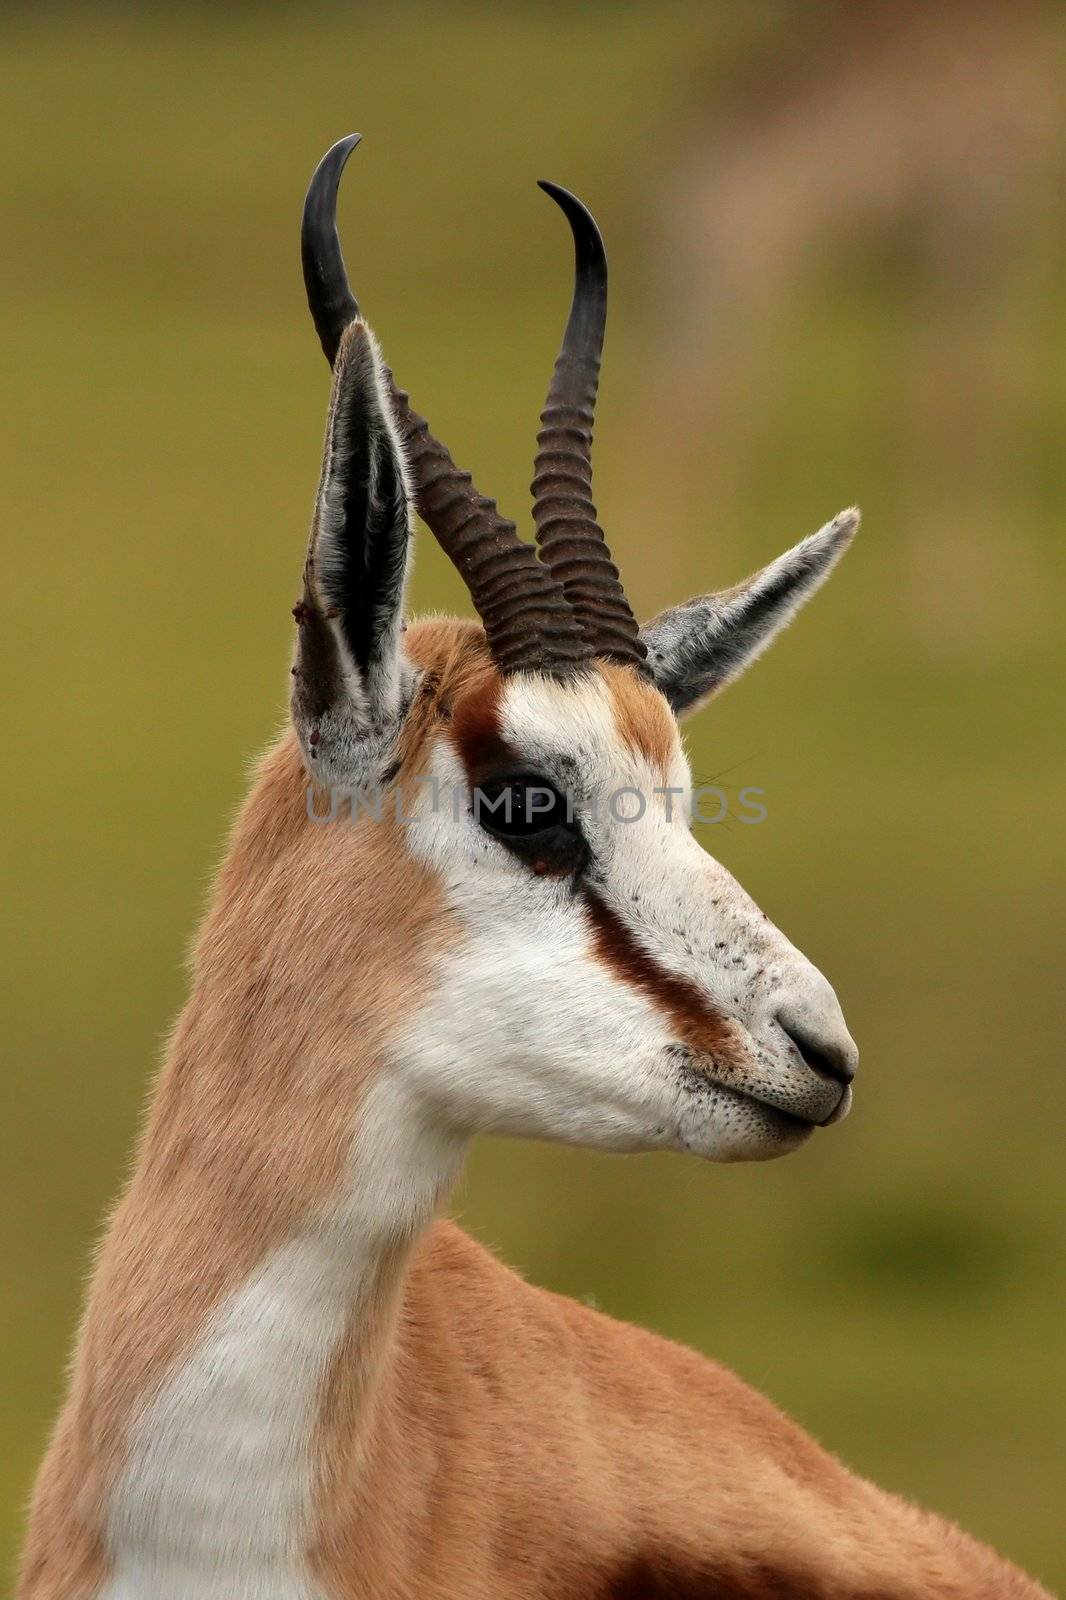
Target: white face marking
{"x": 215, "y": 1499}
{"x": 529, "y": 1031}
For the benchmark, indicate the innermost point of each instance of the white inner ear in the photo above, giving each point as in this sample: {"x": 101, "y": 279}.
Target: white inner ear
{"x": 350, "y": 742}
{"x": 360, "y": 381}
{"x": 698, "y": 648}
{"x": 390, "y": 674}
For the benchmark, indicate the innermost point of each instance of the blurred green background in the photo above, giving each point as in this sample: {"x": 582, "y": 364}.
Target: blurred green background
{"x": 838, "y": 273}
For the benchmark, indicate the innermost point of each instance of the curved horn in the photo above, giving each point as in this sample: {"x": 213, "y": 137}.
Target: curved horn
{"x": 570, "y": 539}
{"x": 333, "y": 305}
{"x": 528, "y": 622}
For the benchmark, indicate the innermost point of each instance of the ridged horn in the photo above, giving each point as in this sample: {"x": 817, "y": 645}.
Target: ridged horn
{"x": 528, "y": 622}
{"x": 571, "y": 540}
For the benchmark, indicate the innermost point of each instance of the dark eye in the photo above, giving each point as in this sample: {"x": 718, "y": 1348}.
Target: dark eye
{"x": 531, "y": 817}
{"x": 519, "y": 808}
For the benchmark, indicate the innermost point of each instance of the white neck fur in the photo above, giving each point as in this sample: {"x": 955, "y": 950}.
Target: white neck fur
{"x": 215, "y": 1498}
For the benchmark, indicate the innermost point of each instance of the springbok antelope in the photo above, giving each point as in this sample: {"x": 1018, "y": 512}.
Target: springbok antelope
{"x": 292, "y": 1382}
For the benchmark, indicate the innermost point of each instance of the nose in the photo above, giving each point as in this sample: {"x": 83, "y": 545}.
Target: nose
{"x": 824, "y": 1042}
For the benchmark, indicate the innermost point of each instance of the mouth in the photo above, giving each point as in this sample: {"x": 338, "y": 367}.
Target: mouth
{"x": 843, "y": 1106}
{"x": 800, "y": 1120}
{"x": 788, "y": 1110}
{"x": 755, "y": 1108}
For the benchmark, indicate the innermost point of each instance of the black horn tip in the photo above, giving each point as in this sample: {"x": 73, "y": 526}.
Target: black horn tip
{"x": 570, "y": 539}
{"x": 584, "y": 331}
{"x": 338, "y": 153}
{"x": 580, "y": 218}
{"x": 329, "y": 294}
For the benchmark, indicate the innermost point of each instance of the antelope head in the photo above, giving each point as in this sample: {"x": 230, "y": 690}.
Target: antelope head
{"x": 593, "y": 975}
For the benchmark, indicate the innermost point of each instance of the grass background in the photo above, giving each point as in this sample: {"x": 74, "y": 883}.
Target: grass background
{"x": 838, "y": 272}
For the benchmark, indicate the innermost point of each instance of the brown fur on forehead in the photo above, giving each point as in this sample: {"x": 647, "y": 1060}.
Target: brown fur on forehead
{"x": 644, "y": 720}
{"x": 453, "y": 651}
{"x": 461, "y": 686}
{"x": 458, "y": 678}
{"x": 476, "y": 732}
{"x": 462, "y": 689}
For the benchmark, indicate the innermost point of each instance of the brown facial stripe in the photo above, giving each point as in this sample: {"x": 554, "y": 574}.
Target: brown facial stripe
{"x": 696, "y": 1021}
{"x": 476, "y": 731}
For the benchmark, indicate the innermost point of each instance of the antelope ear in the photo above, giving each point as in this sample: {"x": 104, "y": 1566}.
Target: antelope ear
{"x": 351, "y": 682}
{"x": 697, "y": 648}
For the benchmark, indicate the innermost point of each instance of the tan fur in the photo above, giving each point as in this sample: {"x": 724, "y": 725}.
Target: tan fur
{"x": 476, "y": 1437}
{"x": 522, "y": 1445}
{"x": 252, "y": 1116}
{"x": 642, "y": 717}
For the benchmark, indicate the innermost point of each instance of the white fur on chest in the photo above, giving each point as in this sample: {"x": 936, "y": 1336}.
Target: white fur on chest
{"x": 216, "y": 1498}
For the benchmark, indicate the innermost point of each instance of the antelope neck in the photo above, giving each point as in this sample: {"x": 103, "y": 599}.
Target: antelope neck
{"x": 216, "y": 1495}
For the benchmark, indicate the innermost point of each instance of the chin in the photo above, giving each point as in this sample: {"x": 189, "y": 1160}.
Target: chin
{"x": 734, "y": 1127}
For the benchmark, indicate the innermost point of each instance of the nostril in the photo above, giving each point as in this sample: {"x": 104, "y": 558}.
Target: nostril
{"x": 828, "y": 1057}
